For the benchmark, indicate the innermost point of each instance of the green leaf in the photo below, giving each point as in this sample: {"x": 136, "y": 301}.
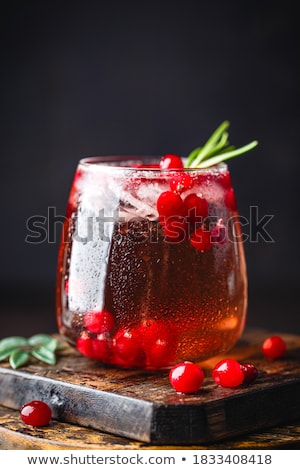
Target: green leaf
{"x": 12, "y": 342}
{"x": 216, "y": 149}
{"x": 7, "y": 352}
{"x": 227, "y": 155}
{"x": 43, "y": 354}
{"x": 39, "y": 339}
{"x": 52, "y": 345}
{"x": 211, "y": 143}
{"x": 18, "y": 358}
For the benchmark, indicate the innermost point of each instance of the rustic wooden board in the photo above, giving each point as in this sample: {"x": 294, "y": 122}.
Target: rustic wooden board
{"x": 15, "y": 435}
{"x": 144, "y": 407}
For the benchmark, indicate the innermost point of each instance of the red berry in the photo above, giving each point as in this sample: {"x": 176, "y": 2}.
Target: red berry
{"x": 36, "y": 413}
{"x": 250, "y": 373}
{"x": 127, "y": 349}
{"x": 99, "y": 322}
{"x": 201, "y": 239}
{"x": 170, "y": 204}
{"x": 274, "y": 347}
{"x": 180, "y": 182}
{"x": 84, "y": 345}
{"x": 102, "y": 348}
{"x": 170, "y": 160}
{"x": 196, "y": 208}
{"x": 186, "y": 377}
{"x": 228, "y": 373}
{"x": 158, "y": 340}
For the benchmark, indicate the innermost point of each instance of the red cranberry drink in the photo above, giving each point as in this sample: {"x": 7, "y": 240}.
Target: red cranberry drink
{"x": 151, "y": 268}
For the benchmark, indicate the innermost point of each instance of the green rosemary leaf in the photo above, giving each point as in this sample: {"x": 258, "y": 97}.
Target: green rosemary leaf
{"x": 12, "y": 342}
{"x": 227, "y": 155}
{"x": 210, "y": 144}
{"x": 7, "y": 352}
{"x": 41, "y": 339}
{"x": 191, "y": 157}
{"x": 43, "y": 354}
{"x": 18, "y": 358}
{"x": 216, "y": 149}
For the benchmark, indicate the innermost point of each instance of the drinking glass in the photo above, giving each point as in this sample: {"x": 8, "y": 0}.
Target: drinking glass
{"x": 151, "y": 266}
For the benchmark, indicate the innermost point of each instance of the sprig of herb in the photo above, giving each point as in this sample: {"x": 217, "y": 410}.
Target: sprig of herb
{"x": 217, "y": 149}
{"x": 18, "y": 349}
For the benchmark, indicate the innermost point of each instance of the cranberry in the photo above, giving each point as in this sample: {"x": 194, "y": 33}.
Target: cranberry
{"x": 201, "y": 239}
{"x": 180, "y": 182}
{"x": 186, "y": 377}
{"x": 250, "y": 373}
{"x": 195, "y": 207}
{"x": 274, "y": 347}
{"x": 169, "y": 204}
{"x": 36, "y": 413}
{"x": 228, "y": 373}
{"x": 170, "y": 160}
{"x": 84, "y": 345}
{"x": 127, "y": 349}
{"x": 102, "y": 348}
{"x": 158, "y": 340}
{"x": 100, "y": 321}
{"x": 230, "y": 200}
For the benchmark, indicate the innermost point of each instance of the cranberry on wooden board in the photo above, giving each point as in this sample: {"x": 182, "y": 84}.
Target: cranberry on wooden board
{"x": 228, "y": 373}
{"x": 274, "y": 347}
{"x": 186, "y": 377}
{"x": 250, "y": 373}
{"x": 36, "y": 413}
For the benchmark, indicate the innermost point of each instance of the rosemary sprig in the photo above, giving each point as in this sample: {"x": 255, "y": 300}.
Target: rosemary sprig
{"x": 17, "y": 350}
{"x": 217, "y": 149}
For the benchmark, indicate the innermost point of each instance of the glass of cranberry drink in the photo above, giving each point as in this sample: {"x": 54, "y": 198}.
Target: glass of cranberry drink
{"x": 151, "y": 267}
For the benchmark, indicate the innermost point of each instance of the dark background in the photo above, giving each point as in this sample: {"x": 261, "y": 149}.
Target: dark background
{"x": 120, "y": 77}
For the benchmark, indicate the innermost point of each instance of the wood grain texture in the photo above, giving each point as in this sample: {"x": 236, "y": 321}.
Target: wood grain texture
{"x": 142, "y": 405}
{"x": 14, "y": 434}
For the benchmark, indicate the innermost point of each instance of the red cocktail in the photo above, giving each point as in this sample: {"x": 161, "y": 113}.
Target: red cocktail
{"x": 151, "y": 266}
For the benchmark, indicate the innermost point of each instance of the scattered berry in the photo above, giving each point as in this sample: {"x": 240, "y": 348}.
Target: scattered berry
{"x": 170, "y": 160}
{"x": 99, "y": 321}
{"x": 36, "y": 413}
{"x": 228, "y": 373}
{"x": 274, "y": 347}
{"x": 250, "y": 373}
{"x": 186, "y": 377}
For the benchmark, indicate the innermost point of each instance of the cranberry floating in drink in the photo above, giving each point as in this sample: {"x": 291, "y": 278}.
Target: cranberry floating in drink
{"x": 151, "y": 267}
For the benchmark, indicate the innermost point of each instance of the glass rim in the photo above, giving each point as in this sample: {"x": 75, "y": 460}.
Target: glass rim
{"x": 131, "y": 162}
